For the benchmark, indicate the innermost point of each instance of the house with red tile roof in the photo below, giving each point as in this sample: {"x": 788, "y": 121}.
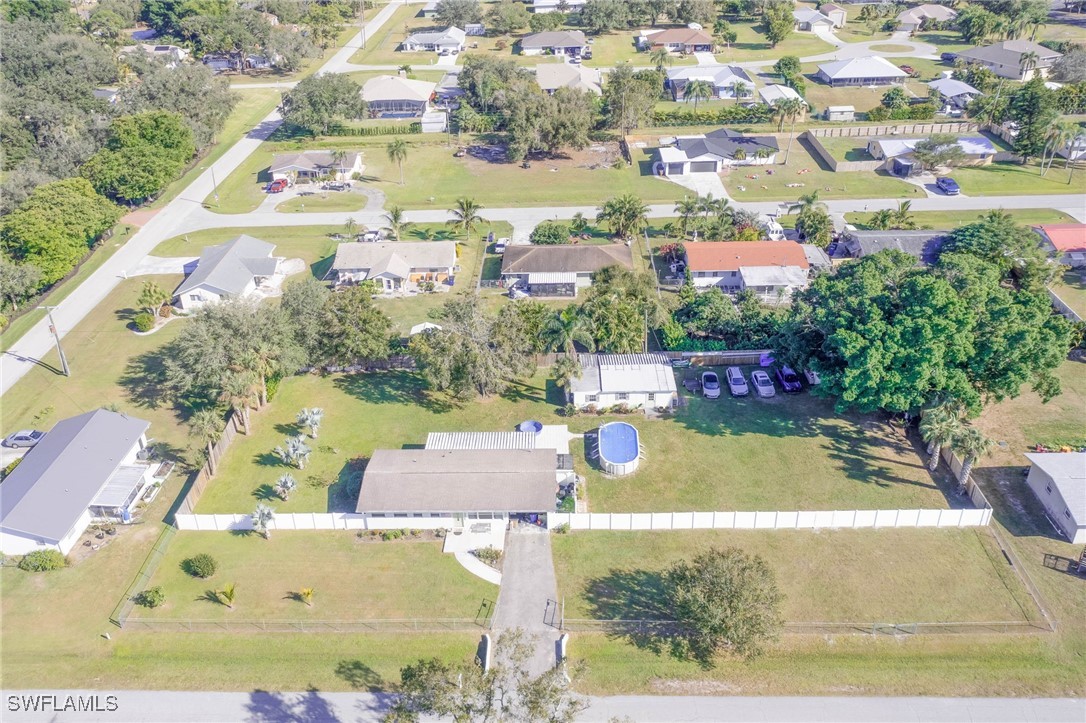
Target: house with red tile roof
{"x": 1067, "y": 242}
{"x": 772, "y": 269}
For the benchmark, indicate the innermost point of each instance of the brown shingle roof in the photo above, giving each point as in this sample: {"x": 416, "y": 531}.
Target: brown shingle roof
{"x": 567, "y": 259}
{"x": 731, "y": 255}
{"x": 459, "y": 480}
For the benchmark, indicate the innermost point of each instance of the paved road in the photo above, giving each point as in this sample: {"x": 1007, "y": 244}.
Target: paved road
{"x": 317, "y": 707}
{"x": 528, "y": 597}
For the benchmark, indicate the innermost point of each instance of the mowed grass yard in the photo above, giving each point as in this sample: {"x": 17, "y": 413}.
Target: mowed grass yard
{"x": 352, "y": 579}
{"x": 1013, "y": 179}
{"x": 855, "y": 576}
{"x": 953, "y": 219}
{"x": 1071, "y": 287}
{"x": 751, "y": 44}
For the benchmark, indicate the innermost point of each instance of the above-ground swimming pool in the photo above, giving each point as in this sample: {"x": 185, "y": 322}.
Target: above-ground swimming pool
{"x": 620, "y": 449}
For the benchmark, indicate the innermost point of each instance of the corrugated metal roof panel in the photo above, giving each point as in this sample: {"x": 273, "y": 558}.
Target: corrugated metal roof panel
{"x": 480, "y": 440}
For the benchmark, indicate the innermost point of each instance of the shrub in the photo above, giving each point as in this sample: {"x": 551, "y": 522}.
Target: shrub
{"x": 570, "y": 410}
{"x": 144, "y": 321}
{"x": 489, "y": 555}
{"x": 591, "y": 409}
{"x": 388, "y": 535}
{"x": 561, "y": 529}
{"x": 550, "y": 233}
{"x": 151, "y": 598}
{"x": 43, "y": 561}
{"x": 568, "y": 504}
{"x": 10, "y": 468}
{"x": 202, "y": 565}
{"x": 273, "y": 386}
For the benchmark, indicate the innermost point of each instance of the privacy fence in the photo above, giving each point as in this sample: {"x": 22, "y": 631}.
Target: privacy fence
{"x": 791, "y": 520}
{"x": 1061, "y": 306}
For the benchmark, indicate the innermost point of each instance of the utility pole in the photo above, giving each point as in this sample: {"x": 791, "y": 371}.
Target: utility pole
{"x": 362, "y": 25}
{"x": 56, "y": 336}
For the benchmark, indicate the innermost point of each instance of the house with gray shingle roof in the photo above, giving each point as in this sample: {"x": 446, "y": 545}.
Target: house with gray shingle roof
{"x": 872, "y": 70}
{"x": 86, "y": 468}
{"x": 809, "y": 20}
{"x": 396, "y": 266}
{"x": 311, "y": 165}
{"x": 1005, "y": 59}
{"x": 230, "y": 270}
{"x": 570, "y": 43}
{"x": 725, "y": 79}
{"x": 560, "y": 270}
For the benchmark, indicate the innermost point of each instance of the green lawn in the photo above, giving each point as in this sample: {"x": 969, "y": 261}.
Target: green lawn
{"x": 948, "y": 41}
{"x": 826, "y": 576}
{"x": 752, "y": 45}
{"x": 891, "y": 48}
{"x": 847, "y": 149}
{"x": 1071, "y": 287}
{"x": 325, "y": 201}
{"x": 352, "y": 578}
{"x": 858, "y": 32}
{"x": 1012, "y": 179}
{"x": 381, "y": 46}
{"x": 953, "y": 219}
{"x": 616, "y": 47}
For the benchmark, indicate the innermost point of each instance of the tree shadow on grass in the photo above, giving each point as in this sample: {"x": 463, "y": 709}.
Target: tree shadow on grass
{"x": 265, "y": 493}
{"x": 308, "y": 707}
{"x": 637, "y": 598}
{"x": 211, "y": 596}
{"x": 524, "y": 392}
{"x": 358, "y": 675}
{"x": 269, "y": 459}
{"x": 142, "y": 380}
{"x": 343, "y": 493}
{"x": 392, "y": 387}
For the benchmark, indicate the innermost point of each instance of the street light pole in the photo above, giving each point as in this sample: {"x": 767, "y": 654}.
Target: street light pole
{"x": 362, "y": 25}
{"x": 56, "y": 336}
{"x": 214, "y": 184}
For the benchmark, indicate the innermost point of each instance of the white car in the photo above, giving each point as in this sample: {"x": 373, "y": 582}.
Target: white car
{"x": 737, "y": 385}
{"x": 763, "y": 385}
{"x": 710, "y": 385}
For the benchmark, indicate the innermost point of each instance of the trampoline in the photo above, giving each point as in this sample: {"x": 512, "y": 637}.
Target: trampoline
{"x": 619, "y": 448}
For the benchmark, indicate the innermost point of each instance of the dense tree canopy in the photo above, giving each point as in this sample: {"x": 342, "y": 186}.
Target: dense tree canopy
{"x": 144, "y": 152}
{"x": 629, "y": 97}
{"x": 318, "y": 101}
{"x": 353, "y": 328}
{"x": 459, "y": 12}
{"x": 1033, "y": 108}
{"x": 203, "y": 99}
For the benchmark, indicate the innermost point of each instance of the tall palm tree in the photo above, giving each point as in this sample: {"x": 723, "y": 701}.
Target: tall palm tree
{"x": 465, "y": 217}
{"x": 262, "y": 517}
{"x": 1027, "y": 62}
{"x": 740, "y": 89}
{"x": 239, "y": 390}
{"x": 938, "y": 431}
{"x": 687, "y": 210}
{"x": 564, "y": 371}
{"x": 350, "y": 225}
{"x": 970, "y": 444}
{"x": 807, "y": 202}
{"x": 564, "y": 330}
{"x": 397, "y": 153}
{"x": 394, "y": 217}
{"x": 902, "y": 218}
{"x": 697, "y": 90}
{"x": 207, "y": 426}
{"x": 1058, "y": 135}
{"x": 881, "y": 220}
{"x": 338, "y": 156}
{"x": 661, "y": 58}
{"x": 793, "y": 109}
{"x": 625, "y": 215}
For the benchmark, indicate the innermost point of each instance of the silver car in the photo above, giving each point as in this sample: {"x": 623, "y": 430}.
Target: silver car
{"x": 737, "y": 385}
{"x": 763, "y": 385}
{"x": 24, "y": 438}
{"x": 710, "y": 385}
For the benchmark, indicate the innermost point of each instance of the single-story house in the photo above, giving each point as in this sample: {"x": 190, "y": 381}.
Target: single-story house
{"x": 550, "y": 6}
{"x": 956, "y": 94}
{"x": 569, "y": 43}
{"x": 429, "y": 10}
{"x": 396, "y": 266}
{"x": 450, "y": 39}
{"x": 228, "y": 271}
{"x": 552, "y": 76}
{"x": 1074, "y": 149}
{"x": 1005, "y": 58}
{"x": 817, "y": 258}
{"x": 924, "y": 245}
{"x": 397, "y": 97}
{"x": 841, "y": 113}
{"x": 449, "y": 488}
{"x": 171, "y": 55}
{"x": 1066, "y": 241}
{"x": 834, "y": 12}
{"x": 311, "y": 165}
{"x": 725, "y": 79}
{"x": 1059, "y": 481}
{"x": 559, "y": 270}
{"x": 550, "y": 436}
{"x": 636, "y": 380}
{"x": 772, "y": 269}
{"x": 924, "y": 16}
{"x": 809, "y": 20}
{"x": 678, "y": 40}
{"x": 709, "y": 153}
{"x": 87, "y": 468}
{"x": 897, "y": 152}
{"x": 871, "y": 70}
{"x": 771, "y": 94}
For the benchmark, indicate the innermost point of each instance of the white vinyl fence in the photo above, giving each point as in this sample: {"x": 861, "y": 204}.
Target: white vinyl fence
{"x": 795, "y": 520}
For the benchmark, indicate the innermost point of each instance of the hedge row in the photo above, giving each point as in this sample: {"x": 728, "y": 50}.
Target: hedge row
{"x": 340, "y": 130}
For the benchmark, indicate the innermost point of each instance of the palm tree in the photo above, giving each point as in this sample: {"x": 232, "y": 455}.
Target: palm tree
{"x": 687, "y": 210}
{"x": 578, "y": 224}
{"x": 697, "y": 90}
{"x": 397, "y": 153}
{"x": 1027, "y": 62}
{"x": 293, "y": 451}
{"x": 564, "y": 371}
{"x": 721, "y": 228}
{"x": 285, "y": 485}
{"x": 306, "y": 596}
{"x": 970, "y": 444}
{"x": 239, "y": 390}
{"x": 465, "y": 217}
{"x": 881, "y": 220}
{"x": 740, "y": 90}
{"x": 311, "y": 418}
{"x": 739, "y": 155}
{"x": 625, "y": 215}
{"x": 709, "y": 206}
{"x": 350, "y": 225}
{"x": 394, "y": 217}
{"x": 1058, "y": 135}
{"x": 207, "y": 426}
{"x": 902, "y": 218}
{"x": 338, "y": 156}
{"x": 660, "y": 58}
{"x": 938, "y": 430}
{"x": 565, "y": 329}
{"x": 807, "y": 202}
{"x": 262, "y": 517}
{"x": 762, "y": 153}
{"x": 792, "y": 108}
{"x": 404, "y": 69}
{"x": 228, "y": 594}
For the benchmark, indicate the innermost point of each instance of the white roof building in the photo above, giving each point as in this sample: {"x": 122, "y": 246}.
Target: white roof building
{"x": 1059, "y": 481}
{"x": 552, "y": 76}
{"x": 770, "y": 94}
{"x": 637, "y": 380}
{"x": 951, "y": 88}
{"x": 395, "y": 88}
{"x": 861, "y": 71}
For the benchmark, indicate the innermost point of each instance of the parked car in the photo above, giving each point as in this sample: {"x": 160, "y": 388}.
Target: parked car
{"x": 24, "y": 438}
{"x": 763, "y": 385}
{"x": 788, "y": 378}
{"x": 910, "y": 70}
{"x": 948, "y": 185}
{"x": 710, "y": 385}
{"x": 278, "y": 186}
{"x": 501, "y": 245}
{"x": 737, "y": 385}
{"x": 948, "y": 57}
{"x": 812, "y": 377}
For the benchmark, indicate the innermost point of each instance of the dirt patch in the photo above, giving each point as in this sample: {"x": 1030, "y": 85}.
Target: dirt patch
{"x": 140, "y": 217}
{"x": 697, "y": 687}
{"x": 597, "y": 155}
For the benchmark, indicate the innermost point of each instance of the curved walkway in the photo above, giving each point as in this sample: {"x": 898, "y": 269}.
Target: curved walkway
{"x": 477, "y": 567}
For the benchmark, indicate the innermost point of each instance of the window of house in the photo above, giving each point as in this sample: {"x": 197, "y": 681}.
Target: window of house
{"x": 652, "y": 396}
{"x": 1048, "y": 489}
{"x": 1067, "y": 514}
{"x": 592, "y": 398}
{"x": 194, "y": 297}
{"x": 622, "y": 396}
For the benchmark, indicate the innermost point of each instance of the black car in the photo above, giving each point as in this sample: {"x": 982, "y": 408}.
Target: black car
{"x": 948, "y": 57}
{"x": 788, "y": 378}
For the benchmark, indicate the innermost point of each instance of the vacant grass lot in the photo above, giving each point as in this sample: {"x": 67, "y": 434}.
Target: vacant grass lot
{"x": 351, "y": 579}
{"x": 953, "y": 219}
{"x": 752, "y": 45}
{"x": 617, "y": 47}
{"x": 381, "y": 46}
{"x": 825, "y": 576}
{"x": 1012, "y": 179}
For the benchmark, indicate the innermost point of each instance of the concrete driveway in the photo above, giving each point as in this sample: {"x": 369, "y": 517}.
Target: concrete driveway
{"x": 528, "y": 597}
{"x": 702, "y": 184}
{"x": 9, "y": 455}
{"x": 164, "y": 265}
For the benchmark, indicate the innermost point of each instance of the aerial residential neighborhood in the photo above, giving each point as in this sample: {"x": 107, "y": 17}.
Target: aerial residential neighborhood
{"x": 543, "y": 360}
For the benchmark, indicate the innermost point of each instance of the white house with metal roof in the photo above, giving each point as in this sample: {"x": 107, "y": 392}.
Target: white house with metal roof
{"x": 726, "y": 80}
{"x": 547, "y": 436}
{"x": 449, "y": 40}
{"x": 636, "y": 380}
{"x": 871, "y": 70}
{"x": 230, "y": 270}
{"x": 772, "y": 94}
{"x": 86, "y": 468}
{"x": 396, "y": 266}
{"x": 396, "y": 96}
{"x": 1059, "y": 481}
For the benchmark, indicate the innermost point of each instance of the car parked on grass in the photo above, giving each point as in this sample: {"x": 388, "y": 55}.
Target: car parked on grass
{"x": 788, "y": 378}
{"x": 737, "y": 385}
{"x": 763, "y": 385}
{"x": 278, "y": 186}
{"x": 24, "y": 438}
{"x": 948, "y": 185}
{"x": 710, "y": 385}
